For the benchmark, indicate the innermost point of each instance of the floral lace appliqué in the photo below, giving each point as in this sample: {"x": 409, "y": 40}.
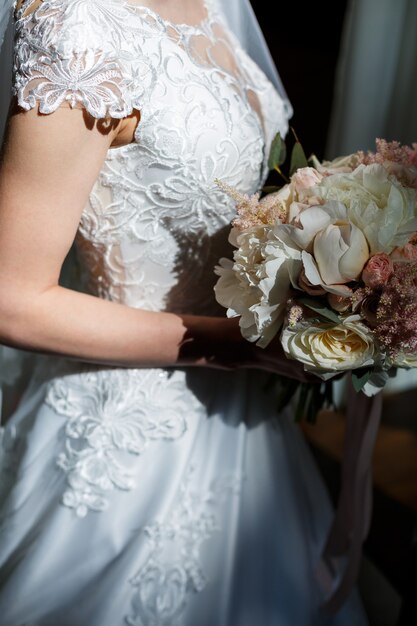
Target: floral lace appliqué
{"x": 173, "y": 571}
{"x": 112, "y": 415}
{"x": 61, "y": 54}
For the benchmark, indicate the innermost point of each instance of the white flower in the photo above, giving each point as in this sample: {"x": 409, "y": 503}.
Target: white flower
{"x": 255, "y": 286}
{"x": 297, "y": 194}
{"x": 406, "y": 175}
{"x": 334, "y": 251}
{"x": 383, "y": 209}
{"x": 340, "y": 165}
{"x": 405, "y": 360}
{"x": 304, "y": 178}
{"x": 326, "y": 348}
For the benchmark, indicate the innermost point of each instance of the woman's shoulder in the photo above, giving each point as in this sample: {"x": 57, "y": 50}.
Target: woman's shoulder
{"x": 75, "y": 51}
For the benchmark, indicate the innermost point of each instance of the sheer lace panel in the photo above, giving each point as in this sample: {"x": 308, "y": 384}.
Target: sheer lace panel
{"x": 198, "y": 28}
{"x": 190, "y": 13}
{"x": 74, "y": 52}
{"x": 90, "y": 53}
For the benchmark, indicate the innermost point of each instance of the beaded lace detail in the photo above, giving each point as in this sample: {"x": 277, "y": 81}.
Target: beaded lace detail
{"x": 173, "y": 571}
{"x": 113, "y": 415}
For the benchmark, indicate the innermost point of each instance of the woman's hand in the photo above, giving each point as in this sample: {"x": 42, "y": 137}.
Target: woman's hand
{"x": 229, "y": 350}
{"x": 273, "y": 359}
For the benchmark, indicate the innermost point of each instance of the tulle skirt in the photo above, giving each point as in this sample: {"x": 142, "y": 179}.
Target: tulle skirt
{"x": 158, "y": 497}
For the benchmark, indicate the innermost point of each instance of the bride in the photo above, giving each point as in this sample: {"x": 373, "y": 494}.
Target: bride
{"x": 146, "y": 478}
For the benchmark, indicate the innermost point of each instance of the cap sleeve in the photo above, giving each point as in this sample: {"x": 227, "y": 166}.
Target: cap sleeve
{"x": 74, "y": 51}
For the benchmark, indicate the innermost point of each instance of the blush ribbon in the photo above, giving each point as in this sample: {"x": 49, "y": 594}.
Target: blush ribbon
{"x": 341, "y": 557}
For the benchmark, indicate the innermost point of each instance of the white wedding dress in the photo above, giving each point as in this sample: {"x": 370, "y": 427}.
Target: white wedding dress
{"x": 155, "y": 497}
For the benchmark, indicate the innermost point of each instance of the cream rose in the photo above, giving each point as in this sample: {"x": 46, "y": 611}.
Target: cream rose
{"x": 325, "y": 348}
{"x": 377, "y": 203}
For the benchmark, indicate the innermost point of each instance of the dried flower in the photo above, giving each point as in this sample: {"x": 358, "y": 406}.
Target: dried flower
{"x": 396, "y": 313}
{"x": 254, "y": 210}
{"x": 389, "y": 151}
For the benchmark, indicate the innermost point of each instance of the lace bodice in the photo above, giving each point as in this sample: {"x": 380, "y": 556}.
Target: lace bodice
{"x": 155, "y": 223}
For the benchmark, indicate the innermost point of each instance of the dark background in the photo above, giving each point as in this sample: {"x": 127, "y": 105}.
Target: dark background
{"x": 305, "y": 40}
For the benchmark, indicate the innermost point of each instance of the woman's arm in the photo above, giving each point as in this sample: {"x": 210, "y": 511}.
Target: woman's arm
{"x": 49, "y": 166}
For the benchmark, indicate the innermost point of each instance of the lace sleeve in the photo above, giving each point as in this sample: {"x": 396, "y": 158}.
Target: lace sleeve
{"x": 74, "y": 51}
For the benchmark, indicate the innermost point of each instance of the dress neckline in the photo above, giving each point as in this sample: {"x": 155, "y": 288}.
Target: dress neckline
{"x": 200, "y": 27}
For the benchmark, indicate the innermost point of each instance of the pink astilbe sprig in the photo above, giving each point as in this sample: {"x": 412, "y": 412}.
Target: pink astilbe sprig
{"x": 392, "y": 151}
{"x": 254, "y": 210}
{"x": 391, "y": 309}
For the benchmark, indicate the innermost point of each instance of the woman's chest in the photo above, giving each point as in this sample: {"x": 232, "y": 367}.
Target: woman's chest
{"x": 198, "y": 123}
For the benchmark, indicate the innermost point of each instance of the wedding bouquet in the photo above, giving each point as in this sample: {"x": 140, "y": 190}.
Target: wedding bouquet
{"x": 329, "y": 263}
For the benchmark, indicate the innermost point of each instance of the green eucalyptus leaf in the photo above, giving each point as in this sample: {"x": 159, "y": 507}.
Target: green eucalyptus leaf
{"x": 271, "y": 189}
{"x": 298, "y": 158}
{"x": 278, "y": 153}
{"x": 320, "y": 308}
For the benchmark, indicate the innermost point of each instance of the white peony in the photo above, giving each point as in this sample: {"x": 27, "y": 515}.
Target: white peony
{"x": 256, "y": 284}
{"x": 334, "y": 251}
{"x": 340, "y": 165}
{"x": 326, "y": 348}
{"x": 238, "y": 286}
{"x": 383, "y": 209}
